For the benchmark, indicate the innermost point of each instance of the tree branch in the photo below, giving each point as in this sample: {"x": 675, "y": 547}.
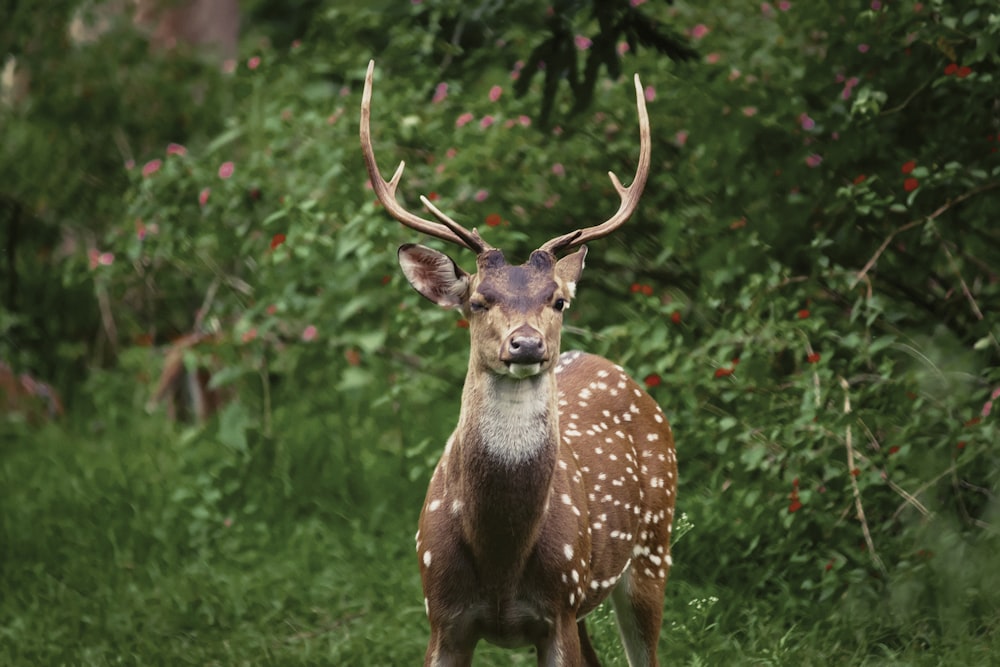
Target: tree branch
{"x": 848, "y": 443}
{"x": 913, "y": 223}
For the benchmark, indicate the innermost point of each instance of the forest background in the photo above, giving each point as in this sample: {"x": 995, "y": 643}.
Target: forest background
{"x": 810, "y": 290}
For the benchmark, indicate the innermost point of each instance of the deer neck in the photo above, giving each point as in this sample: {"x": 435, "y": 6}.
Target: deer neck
{"x": 506, "y": 452}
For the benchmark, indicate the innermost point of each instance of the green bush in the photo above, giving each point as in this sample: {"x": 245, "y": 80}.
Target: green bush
{"x": 809, "y": 289}
{"x": 783, "y": 162}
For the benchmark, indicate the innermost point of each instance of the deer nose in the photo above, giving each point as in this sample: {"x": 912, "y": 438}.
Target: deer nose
{"x": 523, "y": 346}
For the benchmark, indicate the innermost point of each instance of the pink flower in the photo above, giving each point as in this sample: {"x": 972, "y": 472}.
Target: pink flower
{"x": 96, "y": 258}
{"x": 309, "y": 333}
{"x": 876, "y": 5}
{"x": 464, "y": 119}
{"x": 228, "y": 65}
{"x": 203, "y": 196}
{"x": 440, "y": 93}
{"x": 699, "y": 31}
{"x": 129, "y": 164}
{"x": 524, "y": 120}
{"x": 225, "y": 170}
{"x": 734, "y": 74}
{"x": 481, "y": 195}
{"x": 863, "y": 48}
{"x": 681, "y": 137}
{"x": 996, "y": 394}
{"x": 558, "y": 169}
{"x": 749, "y": 112}
{"x": 766, "y": 9}
{"x": 848, "y": 87}
{"x": 806, "y": 122}
{"x": 713, "y": 58}
{"x": 784, "y": 5}
{"x": 582, "y": 43}
{"x": 253, "y": 63}
{"x": 151, "y": 167}
{"x": 814, "y": 160}
{"x": 486, "y": 121}
{"x": 650, "y": 93}
{"x": 495, "y": 93}
{"x": 176, "y": 149}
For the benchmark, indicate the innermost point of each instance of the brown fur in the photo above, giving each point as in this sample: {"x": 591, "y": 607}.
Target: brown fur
{"x": 27, "y": 397}
{"x": 185, "y": 391}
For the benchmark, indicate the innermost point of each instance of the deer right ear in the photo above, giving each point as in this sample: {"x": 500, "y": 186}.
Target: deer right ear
{"x": 434, "y": 275}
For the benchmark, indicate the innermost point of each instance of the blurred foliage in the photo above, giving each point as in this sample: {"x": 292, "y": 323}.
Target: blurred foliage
{"x": 809, "y": 288}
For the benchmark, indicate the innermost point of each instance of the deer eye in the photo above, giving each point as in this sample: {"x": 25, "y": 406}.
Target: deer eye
{"x": 560, "y": 304}
{"x": 478, "y": 306}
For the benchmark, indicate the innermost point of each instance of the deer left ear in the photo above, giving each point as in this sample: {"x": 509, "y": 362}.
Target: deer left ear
{"x": 569, "y": 268}
{"x": 435, "y": 275}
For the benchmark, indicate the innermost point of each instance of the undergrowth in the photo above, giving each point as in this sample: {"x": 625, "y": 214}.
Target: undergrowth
{"x": 150, "y": 545}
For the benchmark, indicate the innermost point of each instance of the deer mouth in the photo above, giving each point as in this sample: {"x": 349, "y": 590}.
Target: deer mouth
{"x": 521, "y": 371}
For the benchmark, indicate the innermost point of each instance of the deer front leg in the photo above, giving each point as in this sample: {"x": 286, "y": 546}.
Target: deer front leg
{"x": 586, "y": 648}
{"x": 562, "y": 647}
{"x": 440, "y": 653}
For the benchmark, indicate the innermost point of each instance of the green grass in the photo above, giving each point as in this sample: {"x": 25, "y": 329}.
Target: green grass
{"x": 141, "y": 544}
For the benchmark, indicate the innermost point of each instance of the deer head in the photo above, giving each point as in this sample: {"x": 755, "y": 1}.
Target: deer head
{"x": 514, "y": 312}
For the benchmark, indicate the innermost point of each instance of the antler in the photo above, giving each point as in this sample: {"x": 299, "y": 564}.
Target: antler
{"x": 629, "y": 196}
{"x": 447, "y": 229}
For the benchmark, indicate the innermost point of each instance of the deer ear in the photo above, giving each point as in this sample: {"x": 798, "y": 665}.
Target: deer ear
{"x": 569, "y": 268}
{"x": 434, "y": 275}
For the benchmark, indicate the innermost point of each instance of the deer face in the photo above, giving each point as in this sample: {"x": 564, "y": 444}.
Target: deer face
{"x": 515, "y": 312}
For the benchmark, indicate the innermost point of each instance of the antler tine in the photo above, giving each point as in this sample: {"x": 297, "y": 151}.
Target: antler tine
{"x": 450, "y": 230}
{"x": 473, "y": 239}
{"x": 629, "y": 196}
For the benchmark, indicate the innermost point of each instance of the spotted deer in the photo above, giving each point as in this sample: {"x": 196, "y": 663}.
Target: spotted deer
{"x": 27, "y": 398}
{"x": 557, "y": 488}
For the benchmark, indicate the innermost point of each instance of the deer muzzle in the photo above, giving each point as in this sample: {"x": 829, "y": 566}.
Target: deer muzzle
{"x": 524, "y": 351}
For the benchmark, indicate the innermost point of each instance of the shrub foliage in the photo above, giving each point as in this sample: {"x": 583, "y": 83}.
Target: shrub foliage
{"x": 809, "y": 288}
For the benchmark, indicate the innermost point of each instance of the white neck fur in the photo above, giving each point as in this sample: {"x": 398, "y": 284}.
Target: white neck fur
{"x": 513, "y": 417}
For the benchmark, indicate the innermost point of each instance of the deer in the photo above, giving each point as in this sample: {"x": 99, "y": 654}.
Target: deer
{"x": 27, "y": 397}
{"x": 185, "y": 389}
{"x": 556, "y": 490}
